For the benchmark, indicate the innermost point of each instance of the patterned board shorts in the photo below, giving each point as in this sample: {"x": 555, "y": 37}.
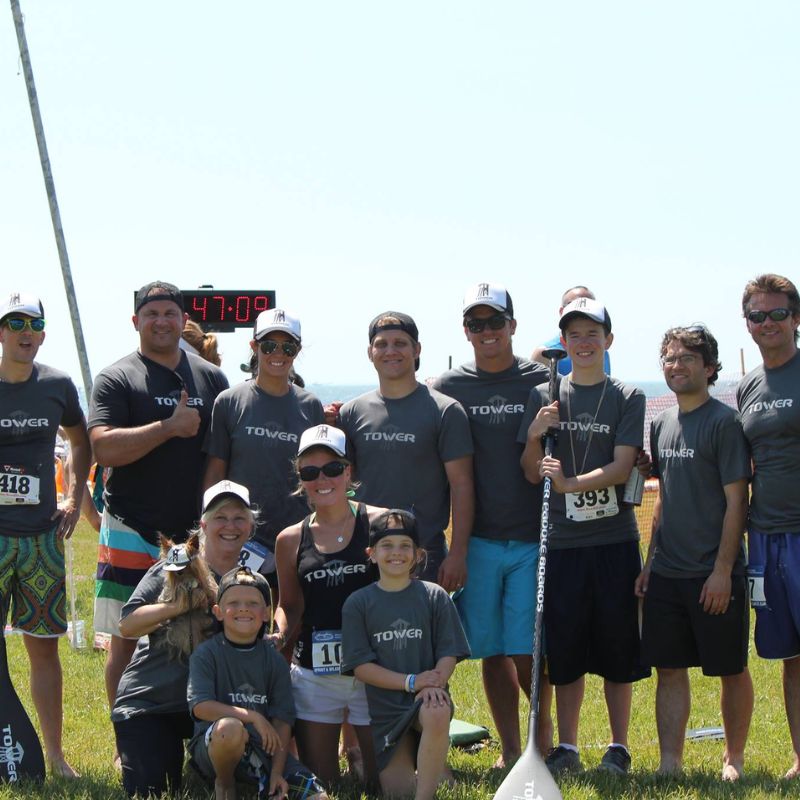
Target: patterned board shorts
{"x": 123, "y": 557}
{"x": 32, "y": 577}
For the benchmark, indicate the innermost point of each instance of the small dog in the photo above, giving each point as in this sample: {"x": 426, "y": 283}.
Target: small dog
{"x": 187, "y": 581}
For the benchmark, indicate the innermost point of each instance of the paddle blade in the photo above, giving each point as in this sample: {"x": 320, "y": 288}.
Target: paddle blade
{"x": 529, "y": 779}
{"x": 20, "y": 750}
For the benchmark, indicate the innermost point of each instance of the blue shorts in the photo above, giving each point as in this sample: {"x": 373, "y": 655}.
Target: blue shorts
{"x": 498, "y": 602}
{"x": 775, "y": 557}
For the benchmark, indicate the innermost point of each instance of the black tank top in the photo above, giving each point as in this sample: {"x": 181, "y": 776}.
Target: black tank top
{"x": 327, "y": 580}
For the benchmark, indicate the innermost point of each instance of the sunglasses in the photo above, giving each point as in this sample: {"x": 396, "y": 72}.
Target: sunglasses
{"x": 495, "y": 323}
{"x": 775, "y": 314}
{"x": 18, "y": 324}
{"x": 333, "y": 469}
{"x": 289, "y": 348}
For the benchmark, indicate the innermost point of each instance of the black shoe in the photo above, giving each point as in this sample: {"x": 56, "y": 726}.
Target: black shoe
{"x": 616, "y": 760}
{"x": 562, "y": 759}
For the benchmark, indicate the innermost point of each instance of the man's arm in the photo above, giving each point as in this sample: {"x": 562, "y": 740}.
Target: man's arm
{"x": 641, "y": 583}
{"x": 716, "y": 593}
{"x": 615, "y": 472}
{"x": 116, "y": 447}
{"x": 69, "y": 512}
{"x": 216, "y": 471}
{"x": 453, "y": 570}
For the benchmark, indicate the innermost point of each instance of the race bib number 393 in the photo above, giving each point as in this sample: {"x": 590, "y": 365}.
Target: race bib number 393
{"x": 595, "y": 504}
{"x": 17, "y": 487}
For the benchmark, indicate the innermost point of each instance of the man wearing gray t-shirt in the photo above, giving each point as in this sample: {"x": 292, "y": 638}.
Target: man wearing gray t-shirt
{"x": 499, "y": 597}
{"x": 695, "y": 611}
{"x": 769, "y": 402}
{"x": 412, "y": 448}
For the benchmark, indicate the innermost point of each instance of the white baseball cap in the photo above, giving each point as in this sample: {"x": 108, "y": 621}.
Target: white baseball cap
{"x": 21, "y": 303}
{"x": 177, "y": 558}
{"x": 276, "y": 319}
{"x": 324, "y": 436}
{"x": 586, "y": 307}
{"x": 488, "y": 294}
{"x": 225, "y": 489}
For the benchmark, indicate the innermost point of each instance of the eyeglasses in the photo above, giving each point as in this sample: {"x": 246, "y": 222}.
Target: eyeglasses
{"x": 495, "y": 322}
{"x": 775, "y": 314}
{"x": 289, "y": 348}
{"x": 18, "y": 324}
{"x": 685, "y": 360}
{"x": 333, "y": 469}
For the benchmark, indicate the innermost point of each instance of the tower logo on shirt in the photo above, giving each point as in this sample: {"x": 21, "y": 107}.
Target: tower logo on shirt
{"x": 175, "y": 397}
{"x": 768, "y": 406}
{"x": 389, "y": 437}
{"x": 271, "y": 431}
{"x": 400, "y": 631}
{"x": 18, "y": 423}
{"x": 496, "y": 408}
{"x": 246, "y": 695}
{"x": 583, "y": 425}
{"x": 333, "y": 572}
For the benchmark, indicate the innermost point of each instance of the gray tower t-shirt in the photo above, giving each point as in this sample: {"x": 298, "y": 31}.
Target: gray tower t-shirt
{"x": 258, "y": 434}
{"x": 400, "y": 447}
{"x": 507, "y": 506}
{"x": 603, "y": 416}
{"x": 769, "y": 404}
{"x": 695, "y": 455}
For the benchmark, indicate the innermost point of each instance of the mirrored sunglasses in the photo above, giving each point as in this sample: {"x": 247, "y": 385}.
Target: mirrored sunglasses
{"x": 333, "y": 469}
{"x": 269, "y": 346}
{"x": 18, "y": 324}
{"x": 495, "y": 323}
{"x": 775, "y": 314}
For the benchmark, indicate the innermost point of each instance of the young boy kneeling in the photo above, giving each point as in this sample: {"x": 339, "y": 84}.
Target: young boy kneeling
{"x": 240, "y": 694}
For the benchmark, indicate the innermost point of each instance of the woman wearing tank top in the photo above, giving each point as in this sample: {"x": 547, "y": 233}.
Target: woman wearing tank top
{"x": 321, "y": 561}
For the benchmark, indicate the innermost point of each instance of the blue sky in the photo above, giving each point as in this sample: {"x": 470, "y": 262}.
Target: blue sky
{"x": 360, "y": 156}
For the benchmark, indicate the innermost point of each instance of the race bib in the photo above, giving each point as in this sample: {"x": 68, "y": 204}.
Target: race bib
{"x": 755, "y": 579}
{"x": 326, "y": 652}
{"x": 255, "y": 556}
{"x": 17, "y": 487}
{"x": 595, "y": 504}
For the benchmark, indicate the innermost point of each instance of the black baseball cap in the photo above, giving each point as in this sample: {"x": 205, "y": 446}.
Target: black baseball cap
{"x": 158, "y": 290}
{"x": 244, "y": 576}
{"x": 404, "y": 323}
{"x": 385, "y": 524}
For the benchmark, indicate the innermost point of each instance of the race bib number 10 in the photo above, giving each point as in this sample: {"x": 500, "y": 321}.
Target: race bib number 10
{"x": 18, "y": 488}
{"x": 595, "y": 504}
{"x": 326, "y": 652}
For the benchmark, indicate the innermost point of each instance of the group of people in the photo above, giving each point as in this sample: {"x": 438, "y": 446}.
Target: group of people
{"x": 340, "y": 509}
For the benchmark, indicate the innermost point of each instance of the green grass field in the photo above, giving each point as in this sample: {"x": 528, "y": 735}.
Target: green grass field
{"x": 89, "y": 740}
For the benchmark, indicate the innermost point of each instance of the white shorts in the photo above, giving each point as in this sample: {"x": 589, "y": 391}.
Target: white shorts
{"x": 324, "y": 698}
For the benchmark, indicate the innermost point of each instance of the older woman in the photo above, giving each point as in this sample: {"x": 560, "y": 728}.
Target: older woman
{"x": 321, "y": 561}
{"x": 150, "y": 715}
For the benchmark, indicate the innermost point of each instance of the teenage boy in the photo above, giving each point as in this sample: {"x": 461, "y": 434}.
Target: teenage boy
{"x": 590, "y": 609}
{"x": 696, "y": 611}
{"x": 240, "y": 694}
{"x": 147, "y": 421}
{"x": 498, "y": 601}
{"x": 769, "y": 402}
{"x": 411, "y": 448}
{"x": 34, "y": 400}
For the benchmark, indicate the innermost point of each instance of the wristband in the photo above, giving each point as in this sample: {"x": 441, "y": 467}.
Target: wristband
{"x": 405, "y": 682}
{"x": 412, "y": 680}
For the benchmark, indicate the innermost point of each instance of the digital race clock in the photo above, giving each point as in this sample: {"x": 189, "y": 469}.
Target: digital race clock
{"x": 225, "y": 310}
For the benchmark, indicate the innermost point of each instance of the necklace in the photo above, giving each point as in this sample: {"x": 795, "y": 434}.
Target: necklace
{"x": 345, "y": 523}
{"x": 591, "y": 427}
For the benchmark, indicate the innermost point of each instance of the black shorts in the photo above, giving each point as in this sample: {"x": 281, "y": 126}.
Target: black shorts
{"x": 591, "y": 613}
{"x": 677, "y": 633}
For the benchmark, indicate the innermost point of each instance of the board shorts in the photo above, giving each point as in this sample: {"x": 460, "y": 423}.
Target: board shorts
{"x": 32, "y": 577}
{"x": 773, "y": 572}
{"x": 123, "y": 557}
{"x": 254, "y": 767}
{"x": 498, "y": 602}
{"x": 591, "y": 613}
{"x": 325, "y": 698}
{"x": 677, "y": 633}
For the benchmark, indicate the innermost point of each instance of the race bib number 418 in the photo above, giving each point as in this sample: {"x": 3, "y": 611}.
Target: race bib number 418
{"x": 17, "y": 487}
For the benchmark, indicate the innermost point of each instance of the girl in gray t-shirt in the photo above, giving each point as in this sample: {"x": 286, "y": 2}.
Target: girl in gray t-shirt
{"x": 403, "y": 639}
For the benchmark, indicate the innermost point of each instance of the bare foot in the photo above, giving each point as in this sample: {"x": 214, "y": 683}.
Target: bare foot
{"x": 732, "y": 772}
{"x": 794, "y": 772}
{"x": 505, "y": 760}
{"x": 59, "y": 766}
{"x": 670, "y": 769}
